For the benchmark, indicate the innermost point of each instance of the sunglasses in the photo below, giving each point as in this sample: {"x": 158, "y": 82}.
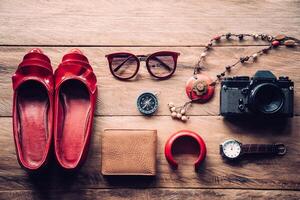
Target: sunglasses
{"x": 160, "y": 65}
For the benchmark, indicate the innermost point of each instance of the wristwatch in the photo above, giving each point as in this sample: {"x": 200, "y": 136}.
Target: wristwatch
{"x": 233, "y": 150}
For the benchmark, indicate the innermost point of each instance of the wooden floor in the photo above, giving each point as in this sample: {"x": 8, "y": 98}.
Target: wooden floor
{"x": 141, "y": 27}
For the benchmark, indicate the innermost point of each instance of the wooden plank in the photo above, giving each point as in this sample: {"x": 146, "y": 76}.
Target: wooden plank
{"x": 129, "y": 22}
{"x": 119, "y": 97}
{"x": 251, "y": 173}
{"x": 167, "y": 194}
{"x": 103, "y": 27}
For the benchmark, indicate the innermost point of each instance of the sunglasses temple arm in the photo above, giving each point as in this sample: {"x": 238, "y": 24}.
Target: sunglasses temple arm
{"x": 162, "y": 63}
{"x": 117, "y": 68}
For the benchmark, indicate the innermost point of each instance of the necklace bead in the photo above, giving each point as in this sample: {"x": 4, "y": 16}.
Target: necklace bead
{"x": 182, "y": 111}
{"x": 254, "y": 56}
{"x": 270, "y": 38}
{"x": 184, "y": 118}
{"x": 217, "y": 38}
{"x": 275, "y": 43}
{"x": 289, "y": 43}
{"x": 203, "y": 55}
{"x": 171, "y": 104}
{"x": 244, "y": 59}
{"x": 228, "y": 35}
{"x": 173, "y": 114}
{"x": 255, "y": 36}
{"x": 228, "y": 68}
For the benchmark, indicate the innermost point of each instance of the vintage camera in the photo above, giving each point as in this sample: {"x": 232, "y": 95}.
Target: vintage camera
{"x": 263, "y": 94}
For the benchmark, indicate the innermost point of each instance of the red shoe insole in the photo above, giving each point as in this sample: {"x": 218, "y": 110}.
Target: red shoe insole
{"x": 75, "y": 108}
{"x": 32, "y": 105}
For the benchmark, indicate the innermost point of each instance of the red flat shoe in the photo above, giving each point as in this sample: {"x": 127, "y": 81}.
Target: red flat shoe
{"x": 33, "y": 109}
{"x": 75, "y": 100}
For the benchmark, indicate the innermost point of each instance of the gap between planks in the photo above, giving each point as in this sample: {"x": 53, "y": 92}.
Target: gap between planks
{"x": 157, "y": 188}
{"x": 191, "y": 115}
{"x": 107, "y": 45}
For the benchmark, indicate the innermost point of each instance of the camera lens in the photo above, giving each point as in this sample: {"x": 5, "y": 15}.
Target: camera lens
{"x": 267, "y": 98}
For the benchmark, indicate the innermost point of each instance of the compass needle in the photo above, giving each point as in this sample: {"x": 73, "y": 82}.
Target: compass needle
{"x": 147, "y": 103}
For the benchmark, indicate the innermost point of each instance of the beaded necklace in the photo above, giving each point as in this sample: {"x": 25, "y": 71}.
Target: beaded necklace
{"x": 200, "y": 87}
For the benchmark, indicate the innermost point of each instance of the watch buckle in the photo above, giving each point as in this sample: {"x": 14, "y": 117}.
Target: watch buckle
{"x": 281, "y": 149}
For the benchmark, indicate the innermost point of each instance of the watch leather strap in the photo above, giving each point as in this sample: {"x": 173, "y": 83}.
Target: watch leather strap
{"x": 278, "y": 149}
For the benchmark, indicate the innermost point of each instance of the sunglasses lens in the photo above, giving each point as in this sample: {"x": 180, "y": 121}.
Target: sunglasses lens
{"x": 124, "y": 65}
{"x": 161, "y": 65}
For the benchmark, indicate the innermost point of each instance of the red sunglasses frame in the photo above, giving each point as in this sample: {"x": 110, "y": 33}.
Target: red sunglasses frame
{"x": 148, "y": 57}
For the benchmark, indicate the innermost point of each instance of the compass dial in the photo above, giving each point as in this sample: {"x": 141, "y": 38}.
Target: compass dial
{"x": 147, "y": 103}
{"x": 231, "y": 149}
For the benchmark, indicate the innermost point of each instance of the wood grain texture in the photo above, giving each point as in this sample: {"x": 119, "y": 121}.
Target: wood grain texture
{"x": 251, "y": 173}
{"x": 119, "y": 97}
{"x": 100, "y": 27}
{"x": 167, "y": 194}
{"x": 131, "y": 22}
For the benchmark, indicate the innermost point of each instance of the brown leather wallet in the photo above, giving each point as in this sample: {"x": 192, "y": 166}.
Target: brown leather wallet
{"x": 129, "y": 152}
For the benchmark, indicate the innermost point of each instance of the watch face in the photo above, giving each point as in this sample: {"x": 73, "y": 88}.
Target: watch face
{"x": 147, "y": 103}
{"x": 231, "y": 149}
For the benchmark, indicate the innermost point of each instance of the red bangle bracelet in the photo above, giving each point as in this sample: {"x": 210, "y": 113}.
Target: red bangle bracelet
{"x": 180, "y": 134}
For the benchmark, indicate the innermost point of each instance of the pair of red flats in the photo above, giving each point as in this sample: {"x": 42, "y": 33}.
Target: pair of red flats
{"x": 57, "y": 107}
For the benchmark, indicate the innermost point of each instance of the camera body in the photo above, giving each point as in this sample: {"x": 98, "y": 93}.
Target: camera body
{"x": 263, "y": 94}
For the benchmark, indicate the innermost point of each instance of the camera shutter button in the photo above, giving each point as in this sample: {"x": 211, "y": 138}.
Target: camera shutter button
{"x": 283, "y": 78}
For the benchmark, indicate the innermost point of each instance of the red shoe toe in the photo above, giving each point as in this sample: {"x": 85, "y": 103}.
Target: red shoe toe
{"x": 33, "y": 109}
{"x": 75, "y": 100}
